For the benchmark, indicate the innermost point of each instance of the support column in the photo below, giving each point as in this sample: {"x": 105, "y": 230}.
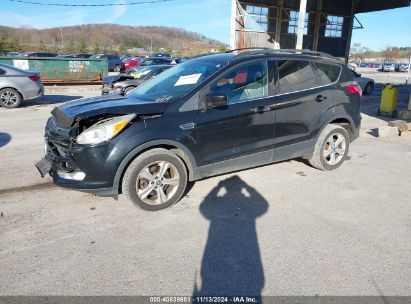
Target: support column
{"x": 233, "y": 22}
{"x": 317, "y": 25}
{"x": 350, "y": 29}
{"x": 278, "y": 22}
{"x": 301, "y": 23}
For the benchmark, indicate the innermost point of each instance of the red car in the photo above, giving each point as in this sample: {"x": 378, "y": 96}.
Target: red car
{"x": 129, "y": 62}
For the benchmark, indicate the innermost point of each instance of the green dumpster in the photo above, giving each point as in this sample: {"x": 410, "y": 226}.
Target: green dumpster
{"x": 62, "y": 70}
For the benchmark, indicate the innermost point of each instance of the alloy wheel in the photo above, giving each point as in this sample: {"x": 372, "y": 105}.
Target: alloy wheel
{"x": 334, "y": 149}
{"x": 157, "y": 183}
{"x": 9, "y": 98}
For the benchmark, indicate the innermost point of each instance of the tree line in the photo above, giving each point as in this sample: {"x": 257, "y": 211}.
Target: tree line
{"x": 103, "y": 38}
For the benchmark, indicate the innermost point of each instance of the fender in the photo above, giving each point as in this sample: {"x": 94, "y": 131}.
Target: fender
{"x": 188, "y": 158}
{"x": 335, "y": 113}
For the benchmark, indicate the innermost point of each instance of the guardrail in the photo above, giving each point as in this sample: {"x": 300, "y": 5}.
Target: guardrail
{"x": 62, "y": 70}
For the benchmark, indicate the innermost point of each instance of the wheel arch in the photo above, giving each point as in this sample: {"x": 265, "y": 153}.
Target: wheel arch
{"x": 18, "y": 91}
{"x": 346, "y": 122}
{"x": 177, "y": 148}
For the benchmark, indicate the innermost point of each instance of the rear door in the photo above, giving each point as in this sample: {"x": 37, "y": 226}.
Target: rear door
{"x": 299, "y": 103}
{"x": 245, "y": 126}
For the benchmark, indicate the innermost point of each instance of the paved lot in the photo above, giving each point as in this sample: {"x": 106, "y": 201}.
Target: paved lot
{"x": 283, "y": 229}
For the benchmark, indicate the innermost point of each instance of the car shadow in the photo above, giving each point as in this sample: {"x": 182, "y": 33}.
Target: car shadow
{"x": 231, "y": 263}
{"x": 5, "y": 138}
{"x": 49, "y": 100}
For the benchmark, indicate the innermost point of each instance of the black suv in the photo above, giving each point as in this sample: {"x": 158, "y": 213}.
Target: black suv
{"x": 207, "y": 116}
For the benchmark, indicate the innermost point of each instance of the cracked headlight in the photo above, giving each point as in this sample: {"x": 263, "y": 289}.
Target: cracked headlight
{"x": 104, "y": 130}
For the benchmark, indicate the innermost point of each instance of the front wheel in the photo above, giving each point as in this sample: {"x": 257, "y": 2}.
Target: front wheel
{"x": 331, "y": 148}
{"x": 155, "y": 180}
{"x": 128, "y": 90}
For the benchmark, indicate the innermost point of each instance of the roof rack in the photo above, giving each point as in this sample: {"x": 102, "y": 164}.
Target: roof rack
{"x": 288, "y": 51}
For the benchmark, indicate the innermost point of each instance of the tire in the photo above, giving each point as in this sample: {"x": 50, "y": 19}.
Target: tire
{"x": 117, "y": 68}
{"x": 394, "y": 114}
{"x": 10, "y": 98}
{"x": 331, "y": 134}
{"x": 157, "y": 190}
{"x": 128, "y": 90}
{"x": 369, "y": 88}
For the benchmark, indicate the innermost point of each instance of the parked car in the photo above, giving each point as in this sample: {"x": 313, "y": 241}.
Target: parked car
{"x": 18, "y": 85}
{"x": 402, "y": 67}
{"x": 124, "y": 84}
{"x": 367, "y": 84}
{"x": 38, "y": 54}
{"x": 388, "y": 67}
{"x": 150, "y": 62}
{"x": 130, "y": 62}
{"x": 207, "y": 116}
{"x": 81, "y": 55}
{"x": 113, "y": 61}
{"x": 164, "y": 55}
{"x": 13, "y": 54}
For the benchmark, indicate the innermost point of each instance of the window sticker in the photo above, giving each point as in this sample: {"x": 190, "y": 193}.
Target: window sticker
{"x": 188, "y": 79}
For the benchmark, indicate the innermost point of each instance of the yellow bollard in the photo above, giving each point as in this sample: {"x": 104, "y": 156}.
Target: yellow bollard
{"x": 388, "y": 105}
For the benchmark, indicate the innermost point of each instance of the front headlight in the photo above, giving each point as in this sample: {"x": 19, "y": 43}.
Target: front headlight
{"x": 104, "y": 130}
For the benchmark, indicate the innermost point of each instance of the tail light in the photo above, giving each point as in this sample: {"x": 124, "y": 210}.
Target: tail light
{"x": 34, "y": 78}
{"x": 354, "y": 89}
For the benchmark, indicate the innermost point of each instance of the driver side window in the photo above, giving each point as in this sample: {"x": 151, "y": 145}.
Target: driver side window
{"x": 245, "y": 82}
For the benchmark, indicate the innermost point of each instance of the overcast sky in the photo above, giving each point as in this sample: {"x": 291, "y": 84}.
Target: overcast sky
{"x": 209, "y": 17}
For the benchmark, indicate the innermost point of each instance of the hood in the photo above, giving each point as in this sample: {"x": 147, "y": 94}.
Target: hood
{"x": 116, "y": 78}
{"x": 108, "y": 104}
{"x": 131, "y": 82}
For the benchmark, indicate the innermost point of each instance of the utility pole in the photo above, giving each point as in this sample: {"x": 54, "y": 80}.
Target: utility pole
{"x": 233, "y": 22}
{"x": 62, "y": 41}
{"x": 409, "y": 71}
{"x": 301, "y": 24}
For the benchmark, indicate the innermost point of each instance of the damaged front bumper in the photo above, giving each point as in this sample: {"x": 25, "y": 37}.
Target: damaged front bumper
{"x": 84, "y": 168}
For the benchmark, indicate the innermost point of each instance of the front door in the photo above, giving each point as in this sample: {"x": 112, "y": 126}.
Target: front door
{"x": 242, "y": 128}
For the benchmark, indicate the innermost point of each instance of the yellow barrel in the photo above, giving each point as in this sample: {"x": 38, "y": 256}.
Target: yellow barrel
{"x": 388, "y": 99}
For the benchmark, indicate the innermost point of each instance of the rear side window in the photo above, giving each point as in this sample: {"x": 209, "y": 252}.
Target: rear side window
{"x": 2, "y": 72}
{"x": 327, "y": 73}
{"x": 293, "y": 76}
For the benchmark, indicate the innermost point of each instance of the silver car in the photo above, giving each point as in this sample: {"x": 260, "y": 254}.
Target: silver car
{"x": 367, "y": 84}
{"x": 18, "y": 85}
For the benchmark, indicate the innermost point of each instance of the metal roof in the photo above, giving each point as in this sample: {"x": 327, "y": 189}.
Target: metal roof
{"x": 365, "y": 6}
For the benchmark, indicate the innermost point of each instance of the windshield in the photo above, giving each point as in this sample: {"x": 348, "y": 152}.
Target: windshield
{"x": 144, "y": 72}
{"x": 179, "y": 80}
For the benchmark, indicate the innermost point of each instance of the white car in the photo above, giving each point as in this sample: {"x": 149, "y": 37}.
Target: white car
{"x": 388, "y": 67}
{"x": 403, "y": 67}
{"x": 367, "y": 84}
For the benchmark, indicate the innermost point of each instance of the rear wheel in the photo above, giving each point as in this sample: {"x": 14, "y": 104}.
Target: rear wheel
{"x": 155, "y": 180}
{"x": 10, "y": 98}
{"x": 368, "y": 89}
{"x": 331, "y": 148}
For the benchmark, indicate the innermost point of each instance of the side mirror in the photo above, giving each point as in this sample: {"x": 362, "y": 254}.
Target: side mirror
{"x": 215, "y": 100}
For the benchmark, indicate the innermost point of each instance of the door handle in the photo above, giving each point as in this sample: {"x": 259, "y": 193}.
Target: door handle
{"x": 320, "y": 98}
{"x": 260, "y": 109}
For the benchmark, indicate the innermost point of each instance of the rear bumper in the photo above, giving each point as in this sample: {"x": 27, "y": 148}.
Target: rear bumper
{"x": 34, "y": 93}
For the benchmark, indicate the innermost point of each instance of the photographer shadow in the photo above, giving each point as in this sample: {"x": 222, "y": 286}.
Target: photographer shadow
{"x": 231, "y": 264}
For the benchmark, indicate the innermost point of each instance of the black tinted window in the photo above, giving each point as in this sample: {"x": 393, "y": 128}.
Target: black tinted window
{"x": 293, "y": 76}
{"x": 2, "y": 72}
{"x": 246, "y": 82}
{"x": 327, "y": 73}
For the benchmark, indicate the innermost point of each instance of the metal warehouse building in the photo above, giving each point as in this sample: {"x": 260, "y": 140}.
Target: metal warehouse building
{"x": 325, "y": 25}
